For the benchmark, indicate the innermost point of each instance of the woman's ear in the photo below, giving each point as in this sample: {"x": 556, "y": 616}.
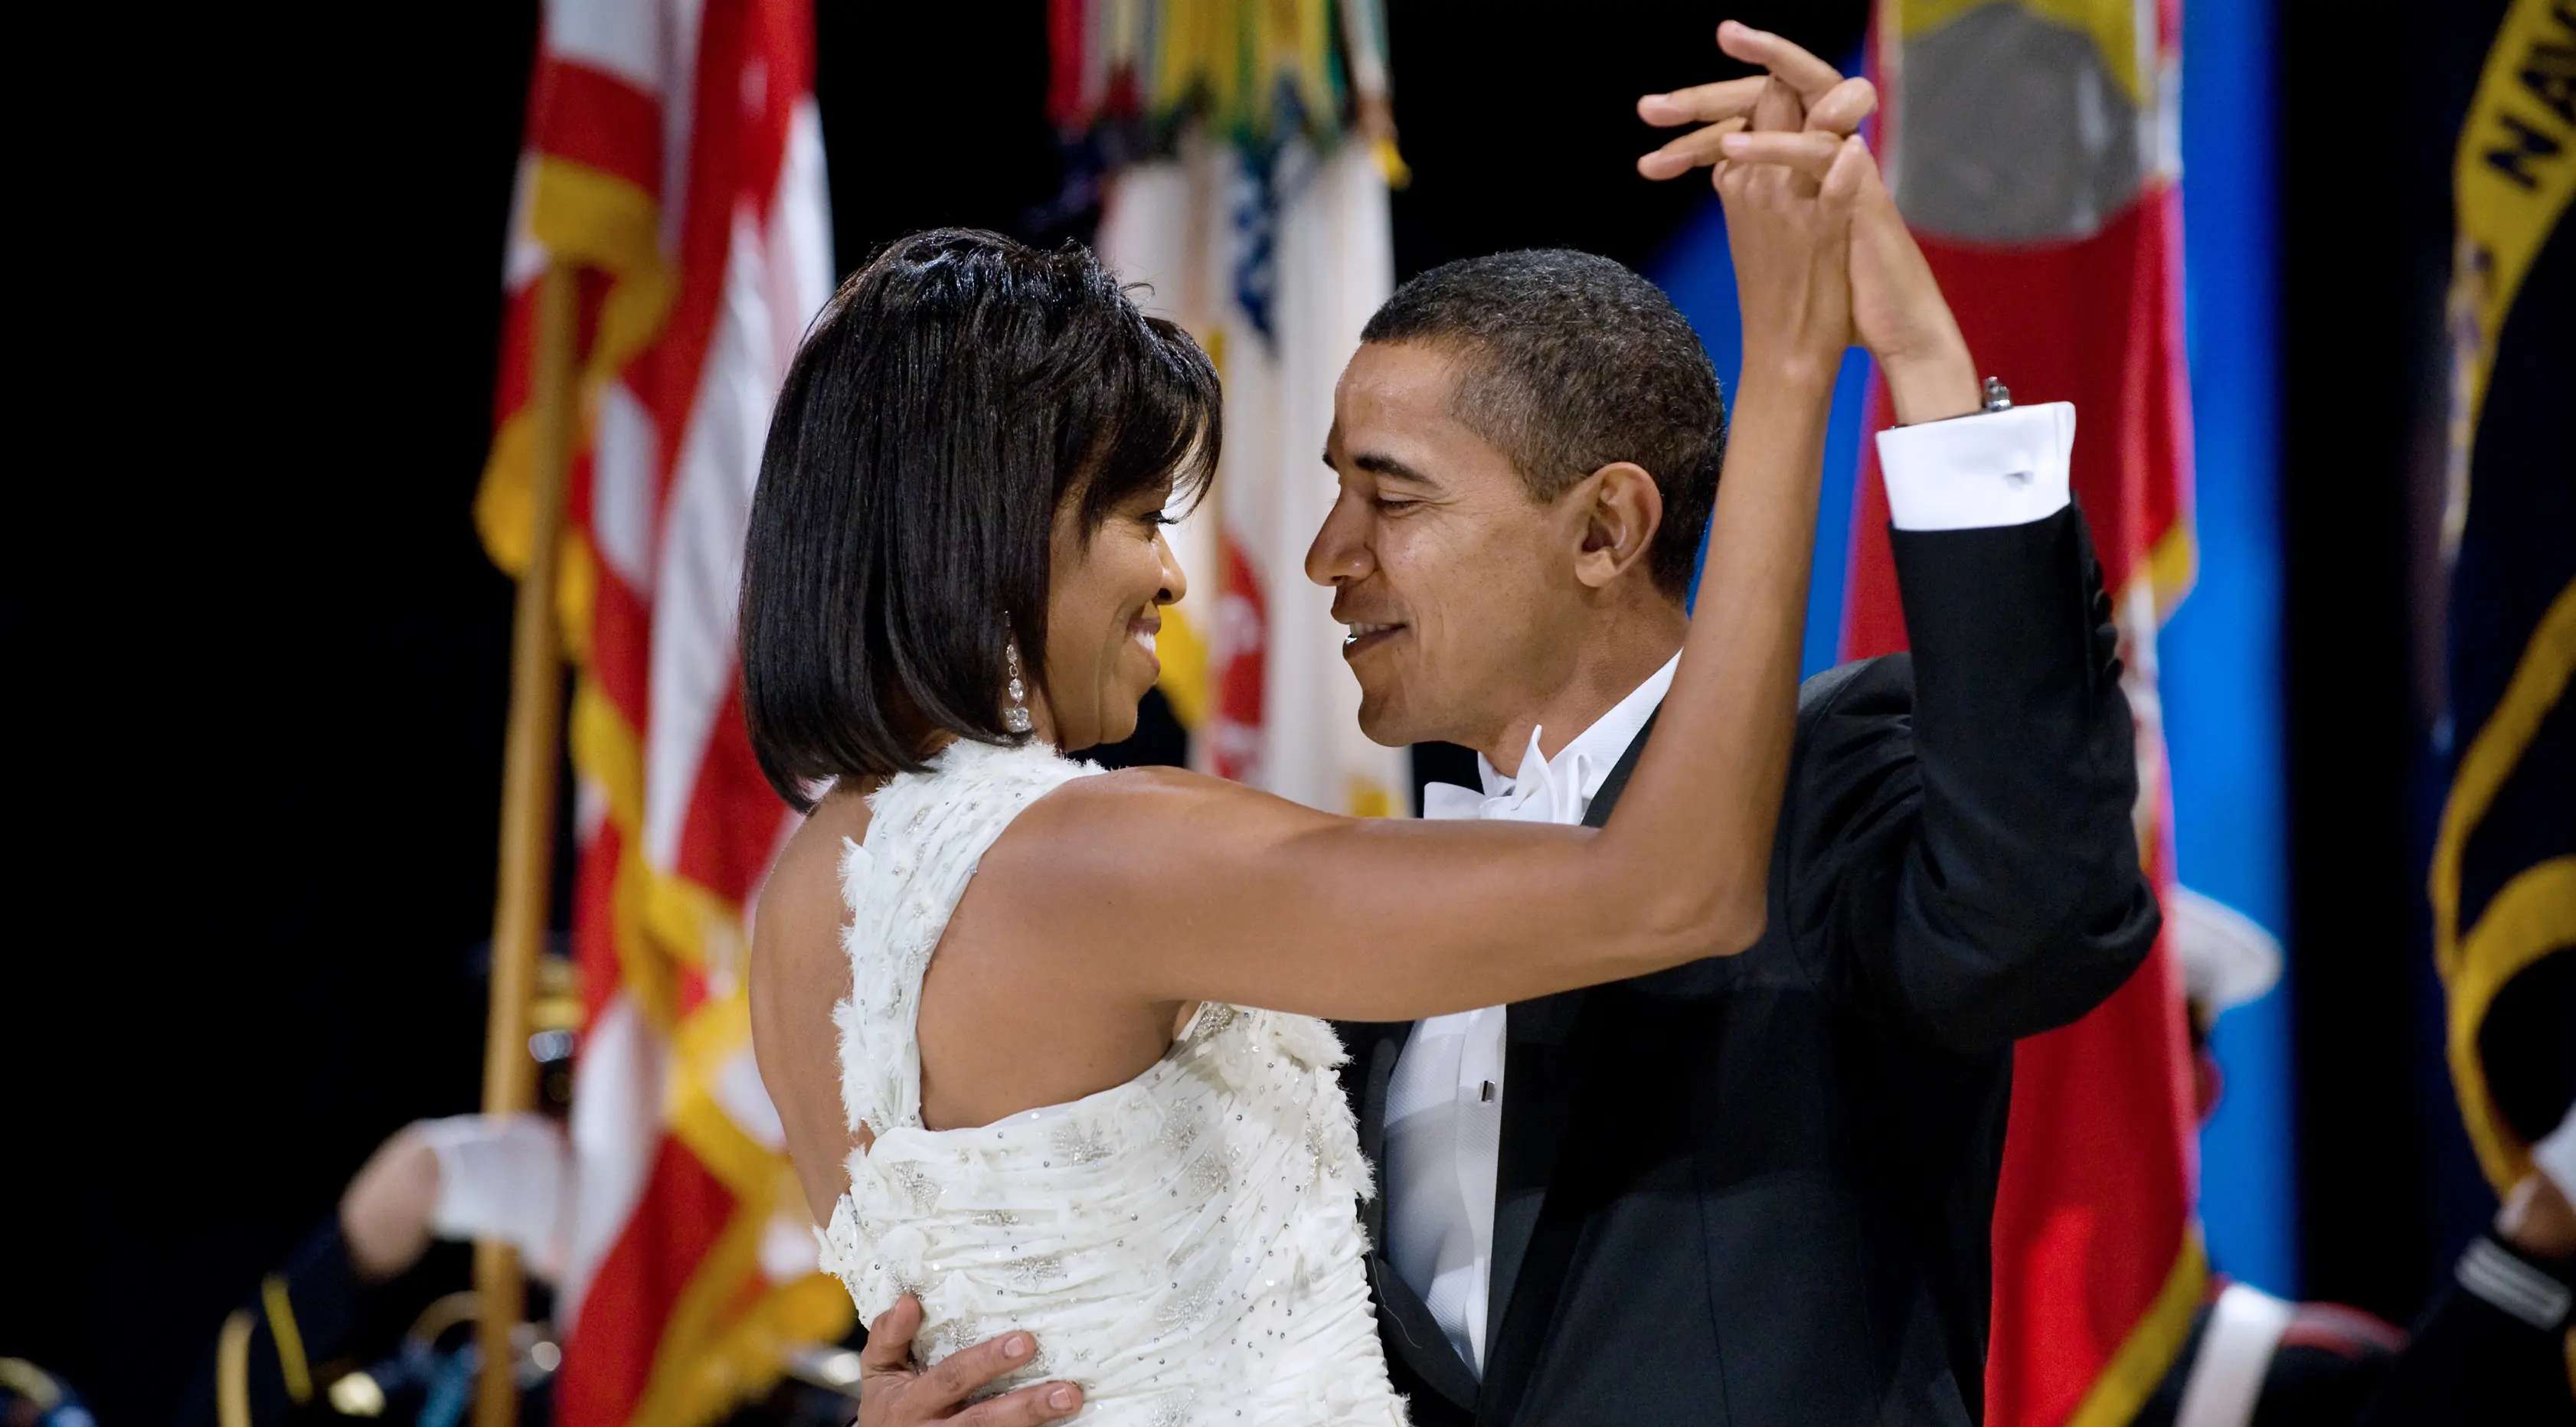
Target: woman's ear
{"x": 1622, "y": 510}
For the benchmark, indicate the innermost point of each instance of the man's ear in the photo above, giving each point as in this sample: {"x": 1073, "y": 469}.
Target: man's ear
{"x": 1622, "y": 510}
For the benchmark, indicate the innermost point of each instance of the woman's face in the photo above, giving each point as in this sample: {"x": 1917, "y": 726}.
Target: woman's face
{"x": 1105, "y": 601}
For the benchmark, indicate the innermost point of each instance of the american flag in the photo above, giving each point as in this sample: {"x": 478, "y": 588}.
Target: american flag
{"x": 673, "y": 159}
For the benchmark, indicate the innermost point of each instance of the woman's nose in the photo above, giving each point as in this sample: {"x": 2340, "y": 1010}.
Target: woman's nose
{"x": 1176, "y": 581}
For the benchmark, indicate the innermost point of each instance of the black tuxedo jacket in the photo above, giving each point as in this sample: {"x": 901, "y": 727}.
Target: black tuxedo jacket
{"x": 1758, "y": 1189}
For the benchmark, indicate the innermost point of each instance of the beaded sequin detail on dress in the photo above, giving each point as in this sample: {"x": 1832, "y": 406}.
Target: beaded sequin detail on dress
{"x": 1186, "y": 1246}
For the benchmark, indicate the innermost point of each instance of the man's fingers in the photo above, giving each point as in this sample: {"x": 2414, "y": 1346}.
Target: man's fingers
{"x": 1025, "y": 1408}
{"x": 1843, "y": 106}
{"x": 1788, "y": 63}
{"x": 1702, "y": 103}
{"x": 1692, "y": 150}
{"x": 967, "y": 1369}
{"x": 1807, "y": 152}
{"x": 889, "y": 1345}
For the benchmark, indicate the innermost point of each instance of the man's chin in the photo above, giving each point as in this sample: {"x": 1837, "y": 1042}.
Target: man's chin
{"x": 1383, "y": 720}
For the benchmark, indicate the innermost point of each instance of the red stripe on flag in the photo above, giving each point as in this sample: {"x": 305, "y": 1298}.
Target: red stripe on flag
{"x": 610, "y": 1355}
{"x": 518, "y": 346}
{"x": 666, "y": 375}
{"x": 621, "y": 641}
{"x": 782, "y": 59}
{"x": 733, "y": 823}
{"x": 594, "y": 945}
{"x": 596, "y": 119}
{"x": 1065, "y": 51}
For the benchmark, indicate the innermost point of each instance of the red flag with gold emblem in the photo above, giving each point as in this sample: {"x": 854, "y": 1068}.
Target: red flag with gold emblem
{"x": 2030, "y": 146}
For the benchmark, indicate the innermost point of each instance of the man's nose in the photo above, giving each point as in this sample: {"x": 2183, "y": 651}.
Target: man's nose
{"x": 1340, "y": 553}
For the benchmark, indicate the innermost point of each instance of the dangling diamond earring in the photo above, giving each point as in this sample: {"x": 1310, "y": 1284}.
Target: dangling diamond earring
{"x": 1016, "y": 717}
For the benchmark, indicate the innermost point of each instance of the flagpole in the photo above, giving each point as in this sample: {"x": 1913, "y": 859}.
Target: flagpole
{"x": 528, "y": 773}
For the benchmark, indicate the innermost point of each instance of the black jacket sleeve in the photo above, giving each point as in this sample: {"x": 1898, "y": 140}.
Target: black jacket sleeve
{"x": 1960, "y": 854}
{"x": 316, "y": 1299}
{"x": 2491, "y": 1347}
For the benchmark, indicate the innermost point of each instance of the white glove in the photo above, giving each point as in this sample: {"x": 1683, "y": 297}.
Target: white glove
{"x": 508, "y": 1178}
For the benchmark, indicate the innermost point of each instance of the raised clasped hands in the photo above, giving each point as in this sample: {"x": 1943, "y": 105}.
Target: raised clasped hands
{"x": 1789, "y": 199}
{"x": 1799, "y": 120}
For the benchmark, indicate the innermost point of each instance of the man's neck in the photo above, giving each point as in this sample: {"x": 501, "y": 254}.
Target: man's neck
{"x": 1606, "y": 669}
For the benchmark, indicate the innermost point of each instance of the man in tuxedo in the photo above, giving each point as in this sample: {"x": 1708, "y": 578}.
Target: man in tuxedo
{"x": 1755, "y": 1188}
{"x": 1759, "y": 1188}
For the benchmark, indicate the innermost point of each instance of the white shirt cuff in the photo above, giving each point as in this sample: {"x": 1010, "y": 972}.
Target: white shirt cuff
{"x": 2555, "y": 1155}
{"x": 1994, "y": 468}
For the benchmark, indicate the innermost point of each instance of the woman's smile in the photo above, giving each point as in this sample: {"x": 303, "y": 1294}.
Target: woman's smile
{"x": 1141, "y": 631}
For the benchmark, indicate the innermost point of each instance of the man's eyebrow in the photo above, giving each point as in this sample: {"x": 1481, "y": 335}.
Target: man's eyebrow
{"x": 1377, "y": 464}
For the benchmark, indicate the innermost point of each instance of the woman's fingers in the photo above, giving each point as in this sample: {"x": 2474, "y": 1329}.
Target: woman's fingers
{"x": 1807, "y": 153}
{"x": 1807, "y": 75}
{"x": 1841, "y": 108}
{"x": 1695, "y": 149}
{"x": 1702, "y": 103}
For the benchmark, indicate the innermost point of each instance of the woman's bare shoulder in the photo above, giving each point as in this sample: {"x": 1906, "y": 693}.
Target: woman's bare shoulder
{"x": 803, "y": 892}
{"x": 798, "y": 974}
{"x": 798, "y": 970}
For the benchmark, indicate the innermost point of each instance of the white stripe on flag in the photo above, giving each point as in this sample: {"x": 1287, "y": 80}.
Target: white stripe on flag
{"x": 616, "y": 1130}
{"x": 698, "y": 589}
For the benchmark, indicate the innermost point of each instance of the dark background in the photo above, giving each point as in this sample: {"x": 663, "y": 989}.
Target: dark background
{"x": 266, "y": 660}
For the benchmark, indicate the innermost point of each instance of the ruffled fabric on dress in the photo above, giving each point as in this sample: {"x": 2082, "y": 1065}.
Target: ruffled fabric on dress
{"x": 1186, "y": 1245}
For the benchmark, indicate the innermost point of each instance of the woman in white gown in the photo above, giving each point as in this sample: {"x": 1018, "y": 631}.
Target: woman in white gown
{"x": 1053, "y": 1105}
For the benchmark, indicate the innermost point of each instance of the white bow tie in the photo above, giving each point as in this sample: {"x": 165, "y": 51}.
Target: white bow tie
{"x": 1535, "y": 796}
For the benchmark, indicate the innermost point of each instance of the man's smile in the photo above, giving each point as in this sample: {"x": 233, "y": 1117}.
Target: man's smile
{"x": 1364, "y": 635}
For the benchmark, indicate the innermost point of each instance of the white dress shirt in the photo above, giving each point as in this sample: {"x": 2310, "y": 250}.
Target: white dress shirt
{"x": 1444, "y": 1105}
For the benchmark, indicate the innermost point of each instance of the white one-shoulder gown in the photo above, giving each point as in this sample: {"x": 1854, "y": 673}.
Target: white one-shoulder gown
{"x": 1186, "y": 1246}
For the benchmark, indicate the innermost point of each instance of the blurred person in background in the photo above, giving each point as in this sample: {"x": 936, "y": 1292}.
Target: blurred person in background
{"x": 315, "y": 1340}
{"x": 297, "y": 1343}
{"x": 2491, "y": 1347}
{"x": 32, "y": 1397}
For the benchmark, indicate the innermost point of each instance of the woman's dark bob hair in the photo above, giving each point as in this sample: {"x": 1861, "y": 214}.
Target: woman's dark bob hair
{"x": 955, "y": 394}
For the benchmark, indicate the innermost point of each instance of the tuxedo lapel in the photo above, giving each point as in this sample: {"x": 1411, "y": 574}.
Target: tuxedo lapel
{"x": 1546, "y": 1053}
{"x": 1542, "y": 1079}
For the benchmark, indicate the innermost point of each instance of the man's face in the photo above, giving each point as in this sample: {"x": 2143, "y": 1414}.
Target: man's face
{"x": 1458, "y": 587}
